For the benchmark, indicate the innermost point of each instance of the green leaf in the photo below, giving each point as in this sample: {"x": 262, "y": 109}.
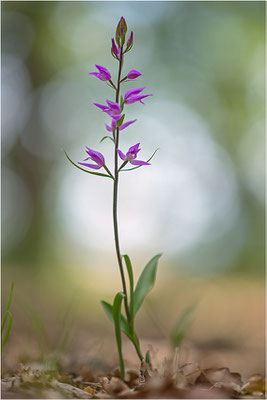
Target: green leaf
{"x": 8, "y": 313}
{"x": 131, "y": 284}
{"x": 8, "y": 306}
{"x": 89, "y": 172}
{"x": 116, "y": 311}
{"x": 119, "y": 123}
{"x": 124, "y": 323}
{"x": 107, "y": 137}
{"x": 150, "y": 158}
{"x": 145, "y": 282}
{"x": 182, "y": 326}
{"x": 124, "y": 327}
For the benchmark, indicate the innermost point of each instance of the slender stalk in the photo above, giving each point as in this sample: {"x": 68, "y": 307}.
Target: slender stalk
{"x": 115, "y": 206}
{"x": 115, "y": 200}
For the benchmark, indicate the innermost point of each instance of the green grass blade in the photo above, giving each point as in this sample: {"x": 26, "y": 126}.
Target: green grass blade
{"x": 131, "y": 284}
{"x": 7, "y": 308}
{"x": 116, "y": 311}
{"x": 89, "y": 172}
{"x": 145, "y": 282}
{"x": 182, "y": 326}
{"x": 150, "y": 158}
{"x": 8, "y": 328}
{"x": 147, "y": 357}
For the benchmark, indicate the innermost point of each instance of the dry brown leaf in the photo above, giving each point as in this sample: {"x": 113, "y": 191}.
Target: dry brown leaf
{"x": 132, "y": 378}
{"x": 114, "y": 386}
{"x": 222, "y": 375}
{"x": 90, "y": 390}
{"x": 204, "y": 392}
{"x": 256, "y": 384}
{"x": 157, "y": 388}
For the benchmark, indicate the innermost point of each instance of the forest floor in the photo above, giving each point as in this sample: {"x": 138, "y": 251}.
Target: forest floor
{"x": 53, "y": 354}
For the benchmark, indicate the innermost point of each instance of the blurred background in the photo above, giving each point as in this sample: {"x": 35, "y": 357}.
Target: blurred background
{"x": 200, "y": 203}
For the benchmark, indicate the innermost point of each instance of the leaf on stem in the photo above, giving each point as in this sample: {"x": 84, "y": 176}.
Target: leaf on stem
{"x": 124, "y": 326}
{"x": 131, "y": 284}
{"x": 145, "y": 282}
{"x": 124, "y": 323}
{"x": 116, "y": 311}
{"x": 150, "y": 158}
{"x": 89, "y": 172}
{"x": 120, "y": 122}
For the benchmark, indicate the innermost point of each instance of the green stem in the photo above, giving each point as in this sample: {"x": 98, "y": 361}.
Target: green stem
{"x": 115, "y": 202}
{"x": 115, "y": 217}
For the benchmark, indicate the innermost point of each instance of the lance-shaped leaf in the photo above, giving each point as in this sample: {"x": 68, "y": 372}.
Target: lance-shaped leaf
{"x": 116, "y": 311}
{"x": 124, "y": 323}
{"x": 124, "y": 327}
{"x": 85, "y": 170}
{"x": 131, "y": 284}
{"x": 145, "y": 282}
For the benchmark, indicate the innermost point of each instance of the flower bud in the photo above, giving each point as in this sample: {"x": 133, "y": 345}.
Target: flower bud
{"x": 130, "y": 40}
{"x": 121, "y": 32}
{"x": 123, "y": 26}
{"x": 114, "y": 49}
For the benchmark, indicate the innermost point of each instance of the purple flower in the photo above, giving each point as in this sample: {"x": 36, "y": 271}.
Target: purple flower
{"x": 131, "y": 155}
{"x": 95, "y": 156}
{"x": 113, "y": 109}
{"x": 103, "y": 74}
{"x": 114, "y": 125}
{"x": 133, "y": 74}
{"x": 132, "y": 96}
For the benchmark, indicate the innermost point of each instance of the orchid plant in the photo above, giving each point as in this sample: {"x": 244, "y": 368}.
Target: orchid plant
{"x": 132, "y": 296}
